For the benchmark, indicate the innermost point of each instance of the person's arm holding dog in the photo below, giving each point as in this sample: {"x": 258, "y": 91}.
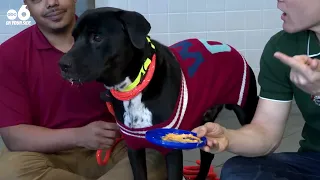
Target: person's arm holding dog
{"x": 17, "y": 127}
{"x": 263, "y": 135}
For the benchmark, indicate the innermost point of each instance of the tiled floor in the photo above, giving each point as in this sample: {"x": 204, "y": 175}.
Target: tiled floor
{"x": 290, "y": 140}
{"x": 289, "y": 143}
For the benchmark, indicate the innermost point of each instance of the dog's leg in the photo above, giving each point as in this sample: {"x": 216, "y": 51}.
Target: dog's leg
{"x": 240, "y": 113}
{"x": 252, "y": 99}
{"x": 138, "y": 163}
{"x": 211, "y": 114}
{"x": 246, "y": 114}
{"x": 205, "y": 159}
{"x": 175, "y": 165}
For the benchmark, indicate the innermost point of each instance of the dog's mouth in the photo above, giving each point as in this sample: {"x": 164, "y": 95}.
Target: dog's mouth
{"x": 79, "y": 80}
{"x": 75, "y": 78}
{"x": 75, "y": 81}
{"x": 72, "y": 78}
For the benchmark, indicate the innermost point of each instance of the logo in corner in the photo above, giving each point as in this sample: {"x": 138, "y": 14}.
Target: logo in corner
{"x": 19, "y": 18}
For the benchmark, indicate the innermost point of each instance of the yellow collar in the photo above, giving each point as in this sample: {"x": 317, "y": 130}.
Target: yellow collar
{"x": 142, "y": 71}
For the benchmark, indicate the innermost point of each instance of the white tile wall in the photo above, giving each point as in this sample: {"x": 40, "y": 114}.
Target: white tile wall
{"x": 245, "y": 24}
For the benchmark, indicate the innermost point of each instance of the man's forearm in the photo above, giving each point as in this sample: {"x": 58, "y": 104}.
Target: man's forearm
{"x": 38, "y": 139}
{"x": 250, "y": 141}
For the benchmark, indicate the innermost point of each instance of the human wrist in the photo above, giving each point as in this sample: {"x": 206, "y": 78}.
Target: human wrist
{"x": 228, "y": 134}
{"x": 77, "y": 140}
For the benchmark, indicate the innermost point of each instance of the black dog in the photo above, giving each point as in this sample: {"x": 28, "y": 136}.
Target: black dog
{"x": 155, "y": 86}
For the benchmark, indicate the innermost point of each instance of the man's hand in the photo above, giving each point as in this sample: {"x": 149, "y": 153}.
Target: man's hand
{"x": 216, "y": 137}
{"x": 97, "y": 135}
{"x": 305, "y": 72}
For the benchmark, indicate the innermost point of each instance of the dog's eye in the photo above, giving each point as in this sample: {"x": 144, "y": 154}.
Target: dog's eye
{"x": 97, "y": 38}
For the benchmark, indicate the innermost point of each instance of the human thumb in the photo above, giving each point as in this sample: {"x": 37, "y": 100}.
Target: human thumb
{"x": 214, "y": 129}
{"x": 200, "y": 131}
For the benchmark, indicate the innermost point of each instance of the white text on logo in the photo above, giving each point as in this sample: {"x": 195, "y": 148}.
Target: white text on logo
{"x": 23, "y": 15}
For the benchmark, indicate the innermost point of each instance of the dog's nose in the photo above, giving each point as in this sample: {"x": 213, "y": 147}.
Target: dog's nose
{"x": 65, "y": 67}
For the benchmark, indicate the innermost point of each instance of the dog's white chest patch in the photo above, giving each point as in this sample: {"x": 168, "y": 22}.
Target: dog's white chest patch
{"x": 136, "y": 114}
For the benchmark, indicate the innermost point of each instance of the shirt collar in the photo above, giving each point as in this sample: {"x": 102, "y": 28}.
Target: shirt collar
{"x": 314, "y": 47}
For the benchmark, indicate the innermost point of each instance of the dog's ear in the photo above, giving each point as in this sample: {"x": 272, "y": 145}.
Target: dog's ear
{"x": 137, "y": 27}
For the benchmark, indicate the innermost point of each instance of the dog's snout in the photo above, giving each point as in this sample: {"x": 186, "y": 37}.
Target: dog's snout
{"x": 64, "y": 67}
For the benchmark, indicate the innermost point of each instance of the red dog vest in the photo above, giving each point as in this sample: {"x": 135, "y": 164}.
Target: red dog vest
{"x": 212, "y": 74}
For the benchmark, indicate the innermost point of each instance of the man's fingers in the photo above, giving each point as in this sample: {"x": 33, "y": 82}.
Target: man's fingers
{"x": 107, "y": 133}
{"x": 105, "y": 141}
{"x": 107, "y": 125}
{"x": 207, "y": 149}
{"x": 110, "y": 126}
{"x": 110, "y": 134}
{"x": 104, "y": 146}
{"x": 314, "y": 64}
{"x": 118, "y": 134}
{"x": 215, "y": 145}
{"x": 209, "y": 129}
{"x": 209, "y": 143}
{"x": 296, "y": 63}
{"x": 195, "y": 130}
{"x": 213, "y": 129}
{"x": 200, "y": 131}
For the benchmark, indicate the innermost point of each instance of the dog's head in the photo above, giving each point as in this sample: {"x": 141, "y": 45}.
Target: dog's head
{"x": 106, "y": 43}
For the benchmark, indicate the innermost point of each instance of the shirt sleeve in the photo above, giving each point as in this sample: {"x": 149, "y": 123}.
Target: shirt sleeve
{"x": 274, "y": 77}
{"x": 14, "y": 103}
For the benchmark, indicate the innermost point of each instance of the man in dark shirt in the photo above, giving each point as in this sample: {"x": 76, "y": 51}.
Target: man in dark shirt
{"x": 51, "y": 128}
{"x": 281, "y": 83}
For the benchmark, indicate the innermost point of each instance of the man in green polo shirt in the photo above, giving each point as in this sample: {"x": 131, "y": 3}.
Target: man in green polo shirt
{"x": 281, "y": 78}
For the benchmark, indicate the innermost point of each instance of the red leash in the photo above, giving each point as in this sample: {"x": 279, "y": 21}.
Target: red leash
{"x": 191, "y": 172}
{"x": 103, "y": 161}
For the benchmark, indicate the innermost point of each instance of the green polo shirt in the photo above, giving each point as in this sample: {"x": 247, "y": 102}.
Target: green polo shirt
{"x": 275, "y": 82}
